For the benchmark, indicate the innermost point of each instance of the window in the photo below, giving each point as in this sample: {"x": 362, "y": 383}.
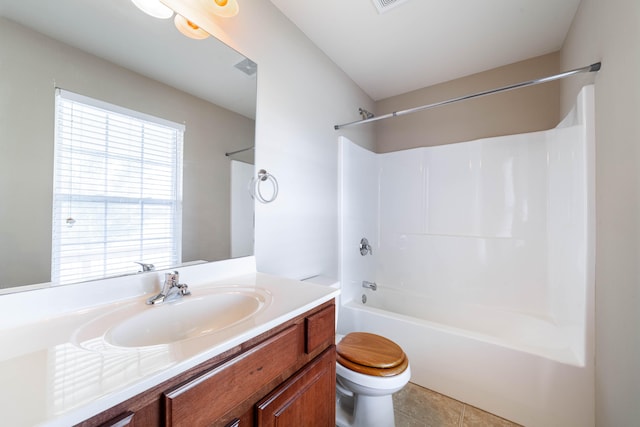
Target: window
{"x": 117, "y": 190}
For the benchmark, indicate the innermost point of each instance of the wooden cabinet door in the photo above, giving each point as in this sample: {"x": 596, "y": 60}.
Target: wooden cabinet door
{"x": 306, "y": 399}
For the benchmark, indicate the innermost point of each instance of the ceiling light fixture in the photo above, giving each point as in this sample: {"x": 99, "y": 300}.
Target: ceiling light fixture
{"x": 224, "y": 8}
{"x": 189, "y": 29}
{"x": 154, "y": 8}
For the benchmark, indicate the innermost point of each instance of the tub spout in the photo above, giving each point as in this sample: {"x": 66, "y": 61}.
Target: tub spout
{"x": 369, "y": 285}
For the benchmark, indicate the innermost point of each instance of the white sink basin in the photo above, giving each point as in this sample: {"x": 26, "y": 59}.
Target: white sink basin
{"x": 205, "y": 312}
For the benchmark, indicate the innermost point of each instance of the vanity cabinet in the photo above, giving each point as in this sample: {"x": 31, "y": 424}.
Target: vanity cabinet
{"x": 284, "y": 376}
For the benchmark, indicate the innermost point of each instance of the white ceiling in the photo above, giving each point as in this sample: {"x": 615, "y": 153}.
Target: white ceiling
{"x": 419, "y": 43}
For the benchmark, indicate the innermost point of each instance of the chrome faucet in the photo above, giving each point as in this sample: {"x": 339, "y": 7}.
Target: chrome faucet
{"x": 172, "y": 289}
{"x": 369, "y": 285}
{"x": 145, "y": 267}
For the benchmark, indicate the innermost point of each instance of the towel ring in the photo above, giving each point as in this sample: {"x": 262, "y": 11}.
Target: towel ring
{"x": 255, "y": 184}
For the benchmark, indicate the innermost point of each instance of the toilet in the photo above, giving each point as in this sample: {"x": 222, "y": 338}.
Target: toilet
{"x": 369, "y": 369}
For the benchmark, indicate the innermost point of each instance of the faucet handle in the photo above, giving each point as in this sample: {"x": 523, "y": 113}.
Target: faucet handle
{"x": 183, "y": 289}
{"x": 172, "y": 276}
{"x": 365, "y": 247}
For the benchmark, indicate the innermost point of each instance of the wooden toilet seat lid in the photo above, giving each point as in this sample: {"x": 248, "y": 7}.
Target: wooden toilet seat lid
{"x": 371, "y": 354}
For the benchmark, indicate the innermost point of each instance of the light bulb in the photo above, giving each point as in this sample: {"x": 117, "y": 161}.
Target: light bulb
{"x": 154, "y": 8}
{"x": 189, "y": 29}
{"x": 224, "y": 8}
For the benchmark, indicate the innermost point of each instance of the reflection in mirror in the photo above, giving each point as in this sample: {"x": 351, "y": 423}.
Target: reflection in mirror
{"x": 114, "y": 53}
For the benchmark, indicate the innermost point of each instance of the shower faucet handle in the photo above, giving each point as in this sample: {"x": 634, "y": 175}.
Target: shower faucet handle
{"x": 365, "y": 247}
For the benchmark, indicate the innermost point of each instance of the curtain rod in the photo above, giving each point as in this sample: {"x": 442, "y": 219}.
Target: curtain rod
{"x": 239, "y": 151}
{"x": 586, "y": 69}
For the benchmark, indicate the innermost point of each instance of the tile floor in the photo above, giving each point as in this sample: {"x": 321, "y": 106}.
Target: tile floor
{"x": 416, "y": 406}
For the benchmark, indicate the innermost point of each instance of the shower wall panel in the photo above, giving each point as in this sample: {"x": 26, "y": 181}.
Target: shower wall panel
{"x": 467, "y": 222}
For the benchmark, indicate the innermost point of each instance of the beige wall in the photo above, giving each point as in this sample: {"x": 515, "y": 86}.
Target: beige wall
{"x": 518, "y": 111}
{"x": 32, "y": 66}
{"x": 610, "y": 30}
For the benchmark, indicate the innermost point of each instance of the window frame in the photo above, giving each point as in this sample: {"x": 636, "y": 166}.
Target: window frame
{"x": 144, "y": 204}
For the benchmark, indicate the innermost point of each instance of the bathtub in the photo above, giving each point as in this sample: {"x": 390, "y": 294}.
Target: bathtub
{"x": 518, "y": 366}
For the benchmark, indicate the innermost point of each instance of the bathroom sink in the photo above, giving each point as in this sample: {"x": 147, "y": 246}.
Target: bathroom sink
{"x": 202, "y": 313}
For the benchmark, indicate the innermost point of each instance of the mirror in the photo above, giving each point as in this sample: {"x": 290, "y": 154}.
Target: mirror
{"x": 113, "y": 52}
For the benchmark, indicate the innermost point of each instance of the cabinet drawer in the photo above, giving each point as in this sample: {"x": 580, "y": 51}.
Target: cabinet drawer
{"x": 320, "y": 329}
{"x": 206, "y": 398}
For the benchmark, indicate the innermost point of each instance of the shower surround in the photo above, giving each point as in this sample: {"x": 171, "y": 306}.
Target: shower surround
{"x": 483, "y": 255}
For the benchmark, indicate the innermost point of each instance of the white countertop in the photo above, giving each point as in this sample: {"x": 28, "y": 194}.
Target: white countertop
{"x": 55, "y": 373}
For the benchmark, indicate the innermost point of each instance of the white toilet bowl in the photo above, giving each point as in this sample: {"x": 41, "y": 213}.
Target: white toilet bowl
{"x": 364, "y": 400}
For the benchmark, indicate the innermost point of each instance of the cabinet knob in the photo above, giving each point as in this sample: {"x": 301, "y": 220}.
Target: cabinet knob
{"x": 234, "y": 423}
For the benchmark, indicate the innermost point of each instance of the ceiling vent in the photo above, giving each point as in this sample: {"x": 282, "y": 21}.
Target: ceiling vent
{"x": 385, "y": 5}
{"x": 247, "y": 66}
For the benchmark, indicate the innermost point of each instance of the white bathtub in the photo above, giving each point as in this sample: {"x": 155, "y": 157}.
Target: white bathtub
{"x": 507, "y": 328}
{"x": 514, "y": 365}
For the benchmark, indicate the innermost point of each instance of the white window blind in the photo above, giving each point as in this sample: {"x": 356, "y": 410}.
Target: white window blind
{"x": 117, "y": 190}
